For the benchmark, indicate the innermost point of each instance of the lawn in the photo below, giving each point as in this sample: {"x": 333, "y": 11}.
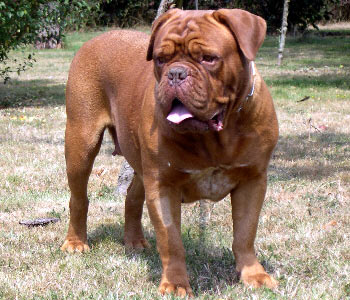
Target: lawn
{"x": 304, "y": 232}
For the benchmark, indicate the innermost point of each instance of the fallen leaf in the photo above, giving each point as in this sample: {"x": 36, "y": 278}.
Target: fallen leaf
{"x": 99, "y": 172}
{"x": 330, "y": 224}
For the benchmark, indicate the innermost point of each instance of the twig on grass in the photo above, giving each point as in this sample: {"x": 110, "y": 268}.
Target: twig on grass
{"x": 313, "y": 126}
{"x": 304, "y": 99}
{"x": 310, "y": 125}
{"x": 39, "y": 222}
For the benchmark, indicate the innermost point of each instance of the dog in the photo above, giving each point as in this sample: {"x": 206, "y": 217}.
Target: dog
{"x": 191, "y": 114}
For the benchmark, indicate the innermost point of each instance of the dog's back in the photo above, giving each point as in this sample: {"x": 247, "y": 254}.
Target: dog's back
{"x": 116, "y": 54}
{"x": 94, "y": 90}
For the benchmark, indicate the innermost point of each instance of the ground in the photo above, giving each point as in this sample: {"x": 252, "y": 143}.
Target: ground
{"x": 303, "y": 237}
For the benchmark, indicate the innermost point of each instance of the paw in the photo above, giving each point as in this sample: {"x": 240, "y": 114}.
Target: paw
{"x": 259, "y": 280}
{"x": 178, "y": 290}
{"x": 137, "y": 244}
{"x": 75, "y": 246}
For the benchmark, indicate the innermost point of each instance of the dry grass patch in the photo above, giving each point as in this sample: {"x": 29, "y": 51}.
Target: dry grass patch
{"x": 303, "y": 237}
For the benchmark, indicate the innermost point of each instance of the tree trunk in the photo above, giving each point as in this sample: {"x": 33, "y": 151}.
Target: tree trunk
{"x": 167, "y": 4}
{"x": 283, "y": 32}
{"x": 163, "y": 7}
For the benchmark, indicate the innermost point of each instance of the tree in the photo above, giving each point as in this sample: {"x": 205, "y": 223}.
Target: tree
{"x": 283, "y": 32}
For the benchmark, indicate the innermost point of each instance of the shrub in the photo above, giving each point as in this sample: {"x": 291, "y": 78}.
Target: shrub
{"x": 19, "y": 22}
{"x": 22, "y": 22}
{"x": 302, "y": 13}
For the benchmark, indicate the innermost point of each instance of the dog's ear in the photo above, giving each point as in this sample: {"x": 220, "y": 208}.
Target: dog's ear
{"x": 155, "y": 27}
{"x": 248, "y": 29}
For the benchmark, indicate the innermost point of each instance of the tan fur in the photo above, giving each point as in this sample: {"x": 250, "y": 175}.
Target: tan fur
{"x": 112, "y": 85}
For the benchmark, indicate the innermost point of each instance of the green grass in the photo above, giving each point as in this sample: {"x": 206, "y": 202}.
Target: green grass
{"x": 303, "y": 237}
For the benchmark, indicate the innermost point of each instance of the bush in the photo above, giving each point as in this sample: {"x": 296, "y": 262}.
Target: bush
{"x": 77, "y": 14}
{"x": 341, "y": 11}
{"x": 23, "y": 22}
{"x": 302, "y": 13}
{"x": 126, "y": 13}
{"x": 19, "y": 22}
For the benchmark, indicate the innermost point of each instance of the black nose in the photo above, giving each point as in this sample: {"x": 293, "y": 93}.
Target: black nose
{"x": 177, "y": 74}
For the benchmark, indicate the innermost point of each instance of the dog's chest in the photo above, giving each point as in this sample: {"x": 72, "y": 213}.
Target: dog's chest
{"x": 212, "y": 183}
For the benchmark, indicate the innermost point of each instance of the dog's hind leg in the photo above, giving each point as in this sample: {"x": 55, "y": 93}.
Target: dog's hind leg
{"x": 133, "y": 234}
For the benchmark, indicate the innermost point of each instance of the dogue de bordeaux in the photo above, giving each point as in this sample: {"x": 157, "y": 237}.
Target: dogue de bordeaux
{"x": 189, "y": 111}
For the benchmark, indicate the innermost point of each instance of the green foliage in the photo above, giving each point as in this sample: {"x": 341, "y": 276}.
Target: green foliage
{"x": 77, "y": 14}
{"x": 126, "y": 13}
{"x": 21, "y": 22}
{"x": 308, "y": 12}
{"x": 302, "y": 13}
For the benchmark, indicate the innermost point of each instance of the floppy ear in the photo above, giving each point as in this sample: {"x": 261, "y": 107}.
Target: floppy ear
{"x": 155, "y": 27}
{"x": 248, "y": 29}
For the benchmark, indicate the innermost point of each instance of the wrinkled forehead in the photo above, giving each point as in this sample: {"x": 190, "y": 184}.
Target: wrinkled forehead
{"x": 193, "y": 32}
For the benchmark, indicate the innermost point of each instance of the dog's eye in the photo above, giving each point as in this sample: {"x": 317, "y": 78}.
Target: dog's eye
{"x": 160, "y": 61}
{"x": 209, "y": 59}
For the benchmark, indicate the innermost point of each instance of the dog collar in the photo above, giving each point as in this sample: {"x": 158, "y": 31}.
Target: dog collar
{"x": 253, "y": 73}
{"x": 252, "y": 70}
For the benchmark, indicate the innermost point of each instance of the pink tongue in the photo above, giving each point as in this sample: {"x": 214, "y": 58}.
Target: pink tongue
{"x": 178, "y": 114}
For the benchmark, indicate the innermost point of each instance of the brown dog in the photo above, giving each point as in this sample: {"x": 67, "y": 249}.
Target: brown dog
{"x": 196, "y": 123}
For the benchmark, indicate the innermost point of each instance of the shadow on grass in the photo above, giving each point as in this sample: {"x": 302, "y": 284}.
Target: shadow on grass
{"x": 306, "y": 50}
{"x": 330, "y": 42}
{"x": 325, "y": 155}
{"x": 343, "y": 32}
{"x": 31, "y": 93}
{"x": 339, "y": 81}
{"x": 210, "y": 268}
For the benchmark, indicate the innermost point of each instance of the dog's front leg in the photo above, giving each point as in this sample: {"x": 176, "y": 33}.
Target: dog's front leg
{"x": 164, "y": 206}
{"x": 247, "y": 200}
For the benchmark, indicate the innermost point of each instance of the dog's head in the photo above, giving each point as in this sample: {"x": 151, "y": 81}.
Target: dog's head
{"x": 201, "y": 61}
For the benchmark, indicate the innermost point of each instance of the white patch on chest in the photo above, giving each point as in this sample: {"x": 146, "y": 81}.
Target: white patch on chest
{"x": 212, "y": 183}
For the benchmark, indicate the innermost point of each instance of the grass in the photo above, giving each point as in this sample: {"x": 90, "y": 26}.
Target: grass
{"x": 303, "y": 237}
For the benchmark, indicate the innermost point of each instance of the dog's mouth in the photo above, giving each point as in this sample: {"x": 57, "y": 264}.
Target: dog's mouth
{"x": 180, "y": 115}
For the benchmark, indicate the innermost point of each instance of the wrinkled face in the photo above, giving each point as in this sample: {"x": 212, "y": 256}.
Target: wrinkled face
{"x": 196, "y": 64}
